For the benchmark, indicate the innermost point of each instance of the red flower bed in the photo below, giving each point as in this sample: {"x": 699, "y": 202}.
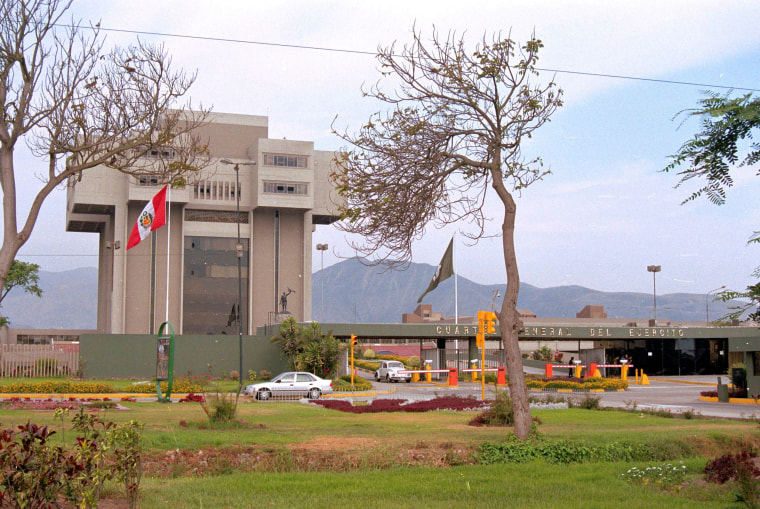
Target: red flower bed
{"x": 735, "y": 393}
{"x": 400, "y": 405}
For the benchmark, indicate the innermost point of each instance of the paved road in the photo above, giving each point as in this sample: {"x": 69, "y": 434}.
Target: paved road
{"x": 677, "y": 394}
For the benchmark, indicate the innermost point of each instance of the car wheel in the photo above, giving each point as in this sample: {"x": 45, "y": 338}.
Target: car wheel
{"x": 388, "y": 378}
{"x": 377, "y": 377}
{"x": 408, "y": 380}
{"x": 314, "y": 393}
{"x": 264, "y": 395}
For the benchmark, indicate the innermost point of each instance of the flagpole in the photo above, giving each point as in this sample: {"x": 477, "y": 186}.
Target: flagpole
{"x": 152, "y": 284}
{"x": 168, "y": 244}
{"x": 456, "y": 289}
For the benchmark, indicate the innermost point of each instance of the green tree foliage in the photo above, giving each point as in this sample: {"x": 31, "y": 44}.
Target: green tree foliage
{"x": 711, "y": 156}
{"x": 22, "y": 275}
{"x": 456, "y": 121}
{"x": 307, "y": 349}
{"x": 714, "y": 152}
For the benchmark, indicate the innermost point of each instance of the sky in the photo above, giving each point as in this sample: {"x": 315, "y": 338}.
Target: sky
{"x": 605, "y": 213}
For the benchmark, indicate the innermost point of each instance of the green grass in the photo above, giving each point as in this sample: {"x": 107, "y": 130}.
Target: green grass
{"x": 534, "y": 485}
{"x": 284, "y": 428}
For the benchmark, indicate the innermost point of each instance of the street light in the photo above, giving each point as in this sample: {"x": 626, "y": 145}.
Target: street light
{"x": 707, "y": 305}
{"x": 323, "y": 248}
{"x": 239, "y": 255}
{"x": 654, "y": 269}
{"x": 495, "y": 294}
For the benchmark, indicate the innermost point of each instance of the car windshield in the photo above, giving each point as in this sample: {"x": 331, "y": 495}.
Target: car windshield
{"x": 395, "y": 364}
{"x": 281, "y": 376}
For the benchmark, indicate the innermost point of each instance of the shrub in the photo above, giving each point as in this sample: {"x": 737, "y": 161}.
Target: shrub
{"x": 56, "y": 387}
{"x": 234, "y": 375}
{"x": 561, "y": 451}
{"x": 368, "y": 354}
{"x": 729, "y": 467}
{"x": 400, "y": 405}
{"x": 251, "y": 375}
{"x": 414, "y": 362}
{"x": 265, "y": 374}
{"x": 218, "y": 406}
{"x": 343, "y": 384}
{"x": 733, "y": 393}
{"x": 501, "y": 412}
{"x": 589, "y": 403}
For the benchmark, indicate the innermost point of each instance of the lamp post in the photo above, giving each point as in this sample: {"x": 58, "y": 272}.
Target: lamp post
{"x": 322, "y": 248}
{"x": 654, "y": 269}
{"x": 707, "y": 305}
{"x": 495, "y": 294}
{"x": 239, "y": 256}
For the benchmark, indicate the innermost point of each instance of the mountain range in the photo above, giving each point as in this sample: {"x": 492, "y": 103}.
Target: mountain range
{"x": 358, "y": 293}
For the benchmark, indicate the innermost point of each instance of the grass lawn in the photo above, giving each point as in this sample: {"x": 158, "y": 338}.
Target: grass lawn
{"x": 289, "y": 454}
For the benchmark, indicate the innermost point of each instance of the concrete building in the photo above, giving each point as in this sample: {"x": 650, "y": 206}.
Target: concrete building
{"x": 283, "y": 191}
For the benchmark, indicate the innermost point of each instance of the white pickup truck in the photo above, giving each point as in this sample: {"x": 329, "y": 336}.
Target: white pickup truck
{"x": 392, "y": 371}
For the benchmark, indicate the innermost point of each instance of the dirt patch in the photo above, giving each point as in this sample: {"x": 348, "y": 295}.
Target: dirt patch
{"x": 328, "y": 454}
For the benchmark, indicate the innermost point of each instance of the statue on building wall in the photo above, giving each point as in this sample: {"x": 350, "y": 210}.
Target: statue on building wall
{"x": 284, "y": 300}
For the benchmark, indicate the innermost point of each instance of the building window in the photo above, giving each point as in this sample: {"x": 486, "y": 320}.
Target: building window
{"x": 147, "y": 180}
{"x": 160, "y": 153}
{"x": 289, "y": 161}
{"x": 210, "y": 286}
{"x": 216, "y": 216}
{"x": 218, "y": 190}
{"x": 286, "y": 188}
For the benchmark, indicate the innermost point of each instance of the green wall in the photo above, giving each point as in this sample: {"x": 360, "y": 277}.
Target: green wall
{"x": 134, "y": 355}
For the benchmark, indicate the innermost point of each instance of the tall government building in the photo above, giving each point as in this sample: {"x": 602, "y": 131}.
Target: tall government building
{"x": 284, "y": 193}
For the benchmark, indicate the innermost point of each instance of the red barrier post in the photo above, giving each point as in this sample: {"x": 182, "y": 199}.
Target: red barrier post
{"x": 548, "y": 370}
{"x": 591, "y": 370}
{"x": 501, "y": 375}
{"x": 453, "y": 377}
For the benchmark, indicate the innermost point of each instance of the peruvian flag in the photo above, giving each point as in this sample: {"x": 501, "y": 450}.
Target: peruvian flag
{"x": 152, "y": 217}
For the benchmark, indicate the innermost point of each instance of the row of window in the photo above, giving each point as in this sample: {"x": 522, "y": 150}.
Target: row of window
{"x": 286, "y": 188}
{"x": 215, "y": 190}
{"x": 216, "y": 216}
{"x": 285, "y": 160}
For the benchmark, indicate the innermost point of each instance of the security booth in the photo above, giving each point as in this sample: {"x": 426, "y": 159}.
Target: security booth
{"x": 749, "y": 349}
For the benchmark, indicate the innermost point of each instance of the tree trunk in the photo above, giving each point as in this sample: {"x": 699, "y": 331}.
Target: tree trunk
{"x": 510, "y": 323}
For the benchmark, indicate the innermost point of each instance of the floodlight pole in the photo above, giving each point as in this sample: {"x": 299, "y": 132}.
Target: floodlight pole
{"x": 654, "y": 269}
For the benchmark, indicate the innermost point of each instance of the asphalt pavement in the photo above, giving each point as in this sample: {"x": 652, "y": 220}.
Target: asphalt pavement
{"x": 677, "y": 394}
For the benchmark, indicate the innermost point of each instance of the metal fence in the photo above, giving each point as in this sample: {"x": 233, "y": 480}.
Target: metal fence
{"x": 18, "y": 361}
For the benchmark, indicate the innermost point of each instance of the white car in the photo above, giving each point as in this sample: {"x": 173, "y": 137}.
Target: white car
{"x": 392, "y": 371}
{"x": 290, "y": 385}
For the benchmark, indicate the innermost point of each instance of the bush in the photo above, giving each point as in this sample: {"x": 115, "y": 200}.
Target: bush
{"x": 730, "y": 467}
{"x": 501, "y": 412}
{"x": 218, "y": 406}
{"x": 234, "y": 375}
{"x": 34, "y": 473}
{"x": 414, "y": 362}
{"x": 56, "y": 387}
{"x": 265, "y": 374}
{"x": 343, "y": 384}
{"x": 562, "y": 451}
{"x": 251, "y": 375}
{"x": 368, "y": 354}
{"x": 400, "y": 405}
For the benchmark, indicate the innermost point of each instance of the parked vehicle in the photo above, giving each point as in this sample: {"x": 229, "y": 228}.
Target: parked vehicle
{"x": 392, "y": 371}
{"x": 290, "y": 385}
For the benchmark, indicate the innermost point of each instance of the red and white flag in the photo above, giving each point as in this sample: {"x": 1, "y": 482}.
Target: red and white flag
{"x": 152, "y": 217}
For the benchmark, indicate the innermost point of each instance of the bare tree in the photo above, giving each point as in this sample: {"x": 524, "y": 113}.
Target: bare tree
{"x": 77, "y": 106}
{"x": 455, "y": 127}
